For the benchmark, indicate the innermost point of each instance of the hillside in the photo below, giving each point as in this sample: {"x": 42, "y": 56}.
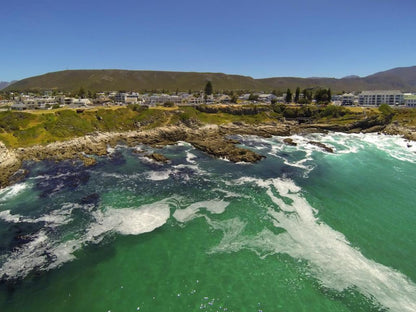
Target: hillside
{"x": 403, "y": 78}
{"x": 103, "y": 80}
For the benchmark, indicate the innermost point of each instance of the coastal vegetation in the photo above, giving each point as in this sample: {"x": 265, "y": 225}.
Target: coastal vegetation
{"x": 21, "y": 129}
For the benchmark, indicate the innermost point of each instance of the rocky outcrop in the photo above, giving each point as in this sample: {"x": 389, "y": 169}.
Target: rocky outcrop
{"x": 158, "y": 157}
{"x": 9, "y": 166}
{"x": 408, "y": 133}
{"x": 322, "y": 145}
{"x": 223, "y": 148}
{"x": 289, "y": 141}
{"x": 208, "y": 138}
{"x": 263, "y": 130}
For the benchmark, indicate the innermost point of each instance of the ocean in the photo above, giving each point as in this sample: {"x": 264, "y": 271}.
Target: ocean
{"x": 301, "y": 230}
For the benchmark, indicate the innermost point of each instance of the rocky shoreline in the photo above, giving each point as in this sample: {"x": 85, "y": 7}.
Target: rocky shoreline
{"x": 212, "y": 139}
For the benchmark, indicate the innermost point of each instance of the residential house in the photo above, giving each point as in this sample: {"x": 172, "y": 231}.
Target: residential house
{"x": 126, "y": 98}
{"x": 266, "y": 97}
{"x": 43, "y": 102}
{"x": 19, "y": 106}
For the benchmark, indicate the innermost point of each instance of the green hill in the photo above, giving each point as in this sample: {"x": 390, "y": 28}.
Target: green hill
{"x": 403, "y": 78}
{"x": 133, "y": 80}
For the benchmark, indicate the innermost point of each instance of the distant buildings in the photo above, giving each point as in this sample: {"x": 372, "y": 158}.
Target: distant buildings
{"x": 378, "y": 97}
{"x": 33, "y": 101}
{"x": 410, "y": 100}
{"x": 347, "y": 99}
{"x": 127, "y": 98}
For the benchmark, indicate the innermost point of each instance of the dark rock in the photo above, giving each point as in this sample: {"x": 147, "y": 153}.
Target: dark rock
{"x": 289, "y": 141}
{"x": 322, "y": 145}
{"x": 220, "y": 147}
{"x": 158, "y": 157}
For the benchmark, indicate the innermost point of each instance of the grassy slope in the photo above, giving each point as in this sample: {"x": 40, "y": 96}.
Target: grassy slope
{"x": 20, "y": 129}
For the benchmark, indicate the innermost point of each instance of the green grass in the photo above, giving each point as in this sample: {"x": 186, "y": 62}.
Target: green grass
{"x": 405, "y": 116}
{"x": 20, "y": 129}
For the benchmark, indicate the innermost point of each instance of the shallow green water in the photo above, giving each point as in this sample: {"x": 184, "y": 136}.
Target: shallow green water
{"x": 302, "y": 230}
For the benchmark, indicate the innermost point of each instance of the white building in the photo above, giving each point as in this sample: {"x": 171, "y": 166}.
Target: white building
{"x": 410, "y": 100}
{"x": 38, "y": 102}
{"x": 347, "y": 99}
{"x": 267, "y": 97}
{"x": 126, "y": 98}
{"x": 378, "y": 97}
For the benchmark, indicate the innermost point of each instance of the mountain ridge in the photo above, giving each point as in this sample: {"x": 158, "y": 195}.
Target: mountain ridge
{"x": 403, "y": 78}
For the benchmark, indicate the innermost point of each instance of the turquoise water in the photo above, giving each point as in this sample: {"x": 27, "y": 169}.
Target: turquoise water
{"x": 302, "y": 230}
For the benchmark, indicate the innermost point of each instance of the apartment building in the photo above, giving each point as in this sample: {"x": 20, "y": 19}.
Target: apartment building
{"x": 378, "y": 97}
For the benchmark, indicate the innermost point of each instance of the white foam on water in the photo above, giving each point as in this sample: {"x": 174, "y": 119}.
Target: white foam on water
{"x": 129, "y": 221}
{"x": 393, "y": 145}
{"x": 332, "y": 259}
{"x": 190, "y": 158}
{"x": 214, "y": 206}
{"x": 278, "y": 145}
{"x": 27, "y": 257}
{"x": 111, "y": 150}
{"x": 45, "y": 253}
{"x": 11, "y": 191}
{"x": 192, "y": 167}
{"x": 158, "y": 175}
{"x": 55, "y": 218}
{"x": 183, "y": 143}
{"x": 8, "y": 217}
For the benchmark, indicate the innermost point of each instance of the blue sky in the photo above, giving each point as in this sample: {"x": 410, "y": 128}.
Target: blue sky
{"x": 302, "y": 38}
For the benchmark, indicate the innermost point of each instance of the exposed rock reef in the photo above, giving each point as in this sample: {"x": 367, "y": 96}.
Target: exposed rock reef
{"x": 158, "y": 157}
{"x": 211, "y": 139}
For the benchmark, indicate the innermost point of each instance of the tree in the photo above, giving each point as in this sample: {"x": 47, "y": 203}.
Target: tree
{"x": 81, "y": 92}
{"x": 234, "y": 98}
{"x": 288, "y": 98}
{"x": 329, "y": 95}
{"x": 307, "y": 95}
{"x": 297, "y": 93}
{"x": 253, "y": 97}
{"x": 208, "y": 88}
{"x": 322, "y": 96}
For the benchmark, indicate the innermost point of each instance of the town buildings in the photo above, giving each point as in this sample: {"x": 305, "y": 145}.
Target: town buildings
{"x": 32, "y": 101}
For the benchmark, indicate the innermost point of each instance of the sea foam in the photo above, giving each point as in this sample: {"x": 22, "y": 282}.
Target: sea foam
{"x": 190, "y": 212}
{"x": 11, "y": 191}
{"x": 44, "y": 252}
{"x": 333, "y": 261}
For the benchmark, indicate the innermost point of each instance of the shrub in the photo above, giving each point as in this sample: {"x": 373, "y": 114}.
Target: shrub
{"x": 386, "y": 110}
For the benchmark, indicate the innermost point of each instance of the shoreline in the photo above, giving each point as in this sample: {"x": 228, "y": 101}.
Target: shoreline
{"x": 210, "y": 138}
